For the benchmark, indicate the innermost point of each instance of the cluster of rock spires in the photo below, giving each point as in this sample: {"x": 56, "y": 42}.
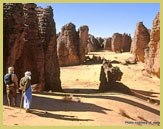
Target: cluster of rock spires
{"x": 31, "y": 43}
{"x": 152, "y": 52}
{"x": 117, "y": 43}
{"x": 71, "y": 45}
{"x": 146, "y": 46}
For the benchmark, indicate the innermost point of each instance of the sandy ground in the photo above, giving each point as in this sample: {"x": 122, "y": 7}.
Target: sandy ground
{"x": 84, "y": 105}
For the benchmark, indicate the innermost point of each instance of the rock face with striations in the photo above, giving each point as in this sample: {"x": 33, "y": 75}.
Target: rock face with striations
{"x": 121, "y": 42}
{"x": 30, "y": 44}
{"x": 140, "y": 41}
{"x": 93, "y": 44}
{"x": 107, "y": 44}
{"x": 83, "y": 37}
{"x": 100, "y": 40}
{"x": 67, "y": 45}
{"x": 126, "y": 42}
{"x": 72, "y": 45}
{"x": 152, "y": 52}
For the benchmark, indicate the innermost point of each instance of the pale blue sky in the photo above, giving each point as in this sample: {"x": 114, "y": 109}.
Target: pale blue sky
{"x": 104, "y": 19}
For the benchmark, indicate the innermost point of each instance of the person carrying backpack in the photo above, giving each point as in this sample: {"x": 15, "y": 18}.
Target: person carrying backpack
{"x": 25, "y": 86}
{"x": 11, "y": 82}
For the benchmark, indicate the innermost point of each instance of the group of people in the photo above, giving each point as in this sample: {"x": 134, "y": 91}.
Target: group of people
{"x": 12, "y": 86}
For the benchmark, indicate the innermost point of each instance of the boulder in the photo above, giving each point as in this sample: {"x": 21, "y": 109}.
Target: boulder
{"x": 109, "y": 75}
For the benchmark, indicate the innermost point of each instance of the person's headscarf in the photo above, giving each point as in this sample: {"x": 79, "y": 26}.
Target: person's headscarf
{"x": 11, "y": 70}
{"x": 28, "y": 74}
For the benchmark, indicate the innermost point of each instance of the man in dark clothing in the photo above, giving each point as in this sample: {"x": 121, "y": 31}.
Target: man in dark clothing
{"x": 11, "y": 82}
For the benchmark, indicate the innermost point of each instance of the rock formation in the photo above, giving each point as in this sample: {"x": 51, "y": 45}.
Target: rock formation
{"x": 30, "y": 44}
{"x": 71, "y": 45}
{"x": 67, "y": 45}
{"x": 83, "y": 37}
{"x": 126, "y": 42}
{"x": 152, "y": 52}
{"x": 93, "y": 44}
{"x": 100, "y": 40}
{"x": 107, "y": 44}
{"x": 121, "y": 42}
{"x": 140, "y": 41}
{"x": 116, "y": 44}
{"x": 109, "y": 75}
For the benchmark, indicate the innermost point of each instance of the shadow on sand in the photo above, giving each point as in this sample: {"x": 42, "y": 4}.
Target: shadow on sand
{"x": 57, "y": 116}
{"x": 119, "y": 88}
{"x": 46, "y": 103}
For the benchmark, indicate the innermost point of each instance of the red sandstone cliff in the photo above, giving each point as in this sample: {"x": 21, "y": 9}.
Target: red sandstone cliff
{"x": 30, "y": 44}
{"x": 152, "y": 53}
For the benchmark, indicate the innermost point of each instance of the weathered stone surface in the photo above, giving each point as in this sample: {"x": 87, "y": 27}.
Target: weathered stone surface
{"x": 83, "y": 41}
{"x": 109, "y": 75}
{"x": 126, "y": 42}
{"x": 67, "y": 46}
{"x": 116, "y": 44}
{"x": 93, "y": 44}
{"x": 140, "y": 41}
{"x": 100, "y": 40}
{"x": 48, "y": 39}
{"x": 152, "y": 52}
{"x": 107, "y": 44}
{"x": 30, "y": 44}
{"x": 121, "y": 42}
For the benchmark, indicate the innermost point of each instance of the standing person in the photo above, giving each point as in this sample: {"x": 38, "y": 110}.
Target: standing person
{"x": 11, "y": 82}
{"x": 25, "y": 85}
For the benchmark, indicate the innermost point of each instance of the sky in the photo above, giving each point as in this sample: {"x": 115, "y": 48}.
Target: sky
{"x": 104, "y": 19}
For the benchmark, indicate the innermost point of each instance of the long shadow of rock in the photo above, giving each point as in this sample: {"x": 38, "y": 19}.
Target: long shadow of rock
{"x": 56, "y": 116}
{"x": 81, "y": 91}
{"x": 117, "y": 87}
{"x": 146, "y": 95}
{"x": 52, "y": 104}
{"x": 115, "y": 98}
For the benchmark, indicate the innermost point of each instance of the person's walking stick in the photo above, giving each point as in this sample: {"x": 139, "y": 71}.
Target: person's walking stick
{"x": 21, "y": 101}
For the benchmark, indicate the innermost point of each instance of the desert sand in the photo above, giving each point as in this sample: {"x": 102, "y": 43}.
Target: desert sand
{"x": 82, "y": 104}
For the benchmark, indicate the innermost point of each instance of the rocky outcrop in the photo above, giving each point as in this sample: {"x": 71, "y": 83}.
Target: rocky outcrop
{"x": 109, "y": 75}
{"x": 116, "y": 44}
{"x": 67, "y": 45}
{"x": 83, "y": 37}
{"x": 72, "y": 45}
{"x": 48, "y": 39}
{"x": 140, "y": 41}
{"x": 152, "y": 52}
{"x": 93, "y": 44}
{"x": 126, "y": 42}
{"x": 100, "y": 40}
{"x": 30, "y": 44}
{"x": 107, "y": 44}
{"x": 121, "y": 42}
